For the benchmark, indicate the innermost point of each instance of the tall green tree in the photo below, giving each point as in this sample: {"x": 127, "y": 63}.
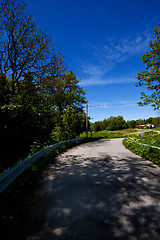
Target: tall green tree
{"x": 64, "y": 92}
{"x": 38, "y": 97}
{"x": 116, "y": 123}
{"x": 151, "y": 76}
{"x": 74, "y": 122}
{"x": 97, "y": 126}
{"x": 156, "y": 121}
{"x": 140, "y": 122}
{"x": 131, "y": 124}
{"x": 25, "y": 118}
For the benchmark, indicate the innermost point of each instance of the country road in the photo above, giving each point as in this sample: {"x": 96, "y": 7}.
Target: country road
{"x": 97, "y": 191}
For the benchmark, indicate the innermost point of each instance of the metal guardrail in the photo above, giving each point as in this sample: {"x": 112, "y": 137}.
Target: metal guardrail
{"x": 143, "y": 144}
{"x": 147, "y": 145}
{"x": 9, "y": 176}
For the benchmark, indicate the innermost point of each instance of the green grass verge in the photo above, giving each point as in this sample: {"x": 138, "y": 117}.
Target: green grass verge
{"x": 114, "y": 134}
{"x": 151, "y": 138}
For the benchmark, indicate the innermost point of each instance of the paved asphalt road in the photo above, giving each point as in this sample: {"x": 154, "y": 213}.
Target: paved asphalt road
{"x": 99, "y": 191}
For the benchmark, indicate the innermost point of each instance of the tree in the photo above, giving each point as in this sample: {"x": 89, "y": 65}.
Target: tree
{"x": 156, "y": 121}
{"x": 151, "y": 76}
{"x": 149, "y": 120}
{"x": 97, "y": 126}
{"x": 5, "y": 92}
{"x": 38, "y": 95}
{"x": 140, "y": 122}
{"x": 25, "y": 48}
{"x": 74, "y": 122}
{"x": 104, "y": 124}
{"x": 64, "y": 92}
{"x": 116, "y": 123}
{"x": 24, "y": 119}
{"x": 131, "y": 124}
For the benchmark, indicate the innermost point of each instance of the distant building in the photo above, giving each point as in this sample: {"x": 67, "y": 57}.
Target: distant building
{"x": 148, "y": 125}
{"x": 139, "y": 127}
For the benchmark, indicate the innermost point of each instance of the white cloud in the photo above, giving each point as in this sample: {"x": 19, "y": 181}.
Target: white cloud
{"x": 118, "y": 50}
{"x": 93, "y": 70}
{"x": 105, "y": 57}
{"x": 105, "y": 81}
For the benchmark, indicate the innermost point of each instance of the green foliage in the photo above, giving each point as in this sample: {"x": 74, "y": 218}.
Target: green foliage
{"x": 57, "y": 134}
{"x": 156, "y": 121}
{"x": 113, "y": 134}
{"x": 116, "y": 123}
{"x": 5, "y": 92}
{"x": 147, "y": 152}
{"x": 131, "y": 124}
{"x": 21, "y": 125}
{"x": 97, "y": 126}
{"x": 140, "y": 121}
{"x": 112, "y": 123}
{"x": 151, "y": 76}
{"x": 64, "y": 91}
{"x": 27, "y": 120}
{"x": 40, "y": 100}
{"x": 73, "y": 122}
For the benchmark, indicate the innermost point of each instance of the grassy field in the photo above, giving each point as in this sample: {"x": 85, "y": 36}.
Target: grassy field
{"x": 116, "y": 134}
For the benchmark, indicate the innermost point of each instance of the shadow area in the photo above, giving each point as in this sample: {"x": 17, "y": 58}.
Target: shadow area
{"x": 105, "y": 197}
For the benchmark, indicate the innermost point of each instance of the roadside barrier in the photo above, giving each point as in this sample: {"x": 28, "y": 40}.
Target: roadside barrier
{"x": 143, "y": 144}
{"x": 147, "y": 145}
{"x": 9, "y": 176}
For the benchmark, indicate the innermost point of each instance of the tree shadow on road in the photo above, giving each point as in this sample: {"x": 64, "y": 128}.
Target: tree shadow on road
{"x": 98, "y": 198}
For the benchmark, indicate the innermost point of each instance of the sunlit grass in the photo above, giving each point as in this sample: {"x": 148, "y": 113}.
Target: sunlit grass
{"x": 115, "y": 134}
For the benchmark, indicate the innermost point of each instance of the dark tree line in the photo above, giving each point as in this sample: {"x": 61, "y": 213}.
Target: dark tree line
{"x": 40, "y": 100}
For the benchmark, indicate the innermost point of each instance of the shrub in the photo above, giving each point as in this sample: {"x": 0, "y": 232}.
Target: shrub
{"x": 147, "y": 152}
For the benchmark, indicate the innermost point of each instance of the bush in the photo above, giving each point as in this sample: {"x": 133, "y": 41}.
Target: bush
{"x": 147, "y": 152}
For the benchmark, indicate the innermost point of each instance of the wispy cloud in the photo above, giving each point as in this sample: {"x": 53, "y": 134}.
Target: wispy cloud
{"x": 119, "y": 49}
{"x": 104, "y": 57}
{"x": 105, "y": 81}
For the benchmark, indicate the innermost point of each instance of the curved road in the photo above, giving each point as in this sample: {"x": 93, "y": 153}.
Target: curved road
{"x": 99, "y": 191}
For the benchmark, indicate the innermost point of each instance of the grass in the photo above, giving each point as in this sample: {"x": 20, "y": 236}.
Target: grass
{"x": 151, "y": 138}
{"x": 115, "y": 134}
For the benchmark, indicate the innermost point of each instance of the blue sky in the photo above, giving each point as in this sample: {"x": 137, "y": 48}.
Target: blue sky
{"x": 103, "y": 42}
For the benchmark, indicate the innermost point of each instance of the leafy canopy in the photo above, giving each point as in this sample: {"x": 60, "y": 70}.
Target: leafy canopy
{"x": 151, "y": 76}
{"x": 40, "y": 101}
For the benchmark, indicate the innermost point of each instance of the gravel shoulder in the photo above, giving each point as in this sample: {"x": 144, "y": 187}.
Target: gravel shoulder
{"x": 98, "y": 190}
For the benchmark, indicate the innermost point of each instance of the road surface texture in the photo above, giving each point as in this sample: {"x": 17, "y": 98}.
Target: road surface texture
{"x": 98, "y": 190}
